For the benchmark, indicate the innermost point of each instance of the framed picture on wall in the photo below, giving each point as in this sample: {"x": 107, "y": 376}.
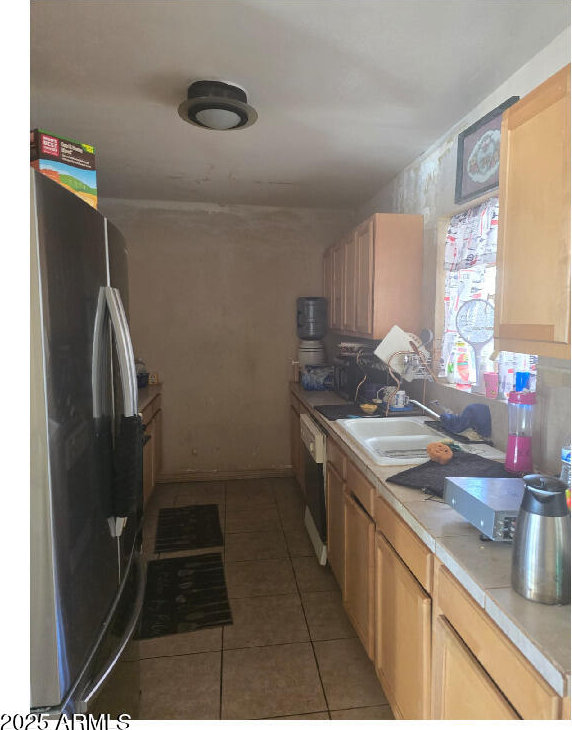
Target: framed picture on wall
{"x": 478, "y": 155}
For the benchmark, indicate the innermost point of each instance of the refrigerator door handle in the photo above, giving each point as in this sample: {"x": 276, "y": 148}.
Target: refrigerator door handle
{"x": 124, "y": 351}
{"x": 94, "y": 686}
{"x": 98, "y": 354}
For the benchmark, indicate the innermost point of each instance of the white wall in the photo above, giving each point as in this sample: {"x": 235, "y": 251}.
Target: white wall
{"x": 427, "y": 186}
{"x": 213, "y": 309}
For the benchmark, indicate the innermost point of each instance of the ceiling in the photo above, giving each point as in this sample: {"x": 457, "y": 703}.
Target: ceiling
{"x": 348, "y": 92}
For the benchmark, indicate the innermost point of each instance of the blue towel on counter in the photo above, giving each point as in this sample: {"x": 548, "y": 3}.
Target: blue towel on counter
{"x": 475, "y": 416}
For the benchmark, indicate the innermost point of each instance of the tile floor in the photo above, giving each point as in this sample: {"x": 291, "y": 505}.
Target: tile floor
{"x": 291, "y": 652}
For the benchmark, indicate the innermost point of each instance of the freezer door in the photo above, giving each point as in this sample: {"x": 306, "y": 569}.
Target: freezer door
{"x": 118, "y": 279}
{"x": 111, "y": 685}
{"x": 71, "y": 547}
{"x": 118, "y": 263}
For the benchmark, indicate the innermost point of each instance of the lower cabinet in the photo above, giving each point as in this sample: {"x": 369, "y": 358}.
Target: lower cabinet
{"x": 296, "y": 445}
{"x": 148, "y": 481}
{"x": 462, "y": 688}
{"x": 438, "y": 655}
{"x": 467, "y": 642}
{"x": 336, "y": 523}
{"x": 403, "y": 634}
{"x": 359, "y": 570}
{"x": 152, "y": 448}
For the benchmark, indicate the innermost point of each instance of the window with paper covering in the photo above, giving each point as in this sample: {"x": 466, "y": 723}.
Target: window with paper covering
{"x": 470, "y": 273}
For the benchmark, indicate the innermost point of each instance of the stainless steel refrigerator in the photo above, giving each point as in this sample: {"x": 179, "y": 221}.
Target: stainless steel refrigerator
{"x": 87, "y": 574}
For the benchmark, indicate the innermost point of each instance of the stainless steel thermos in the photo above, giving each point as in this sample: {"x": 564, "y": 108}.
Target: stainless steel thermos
{"x": 541, "y": 546}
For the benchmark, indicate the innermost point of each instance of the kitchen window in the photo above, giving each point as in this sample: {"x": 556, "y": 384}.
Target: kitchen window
{"x": 468, "y": 272}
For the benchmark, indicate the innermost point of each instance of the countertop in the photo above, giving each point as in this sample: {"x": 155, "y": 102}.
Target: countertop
{"x": 541, "y": 633}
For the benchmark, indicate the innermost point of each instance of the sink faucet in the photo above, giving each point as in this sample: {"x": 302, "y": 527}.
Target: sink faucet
{"x": 424, "y": 408}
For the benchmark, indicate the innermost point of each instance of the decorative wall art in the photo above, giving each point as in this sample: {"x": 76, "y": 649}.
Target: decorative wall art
{"x": 478, "y": 155}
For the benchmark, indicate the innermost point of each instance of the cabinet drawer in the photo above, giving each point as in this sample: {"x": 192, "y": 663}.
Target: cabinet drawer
{"x": 526, "y": 690}
{"x": 336, "y": 458}
{"x": 357, "y": 484}
{"x": 413, "y": 551}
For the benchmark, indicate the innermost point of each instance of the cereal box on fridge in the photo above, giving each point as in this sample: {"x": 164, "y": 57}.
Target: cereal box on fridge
{"x": 69, "y": 163}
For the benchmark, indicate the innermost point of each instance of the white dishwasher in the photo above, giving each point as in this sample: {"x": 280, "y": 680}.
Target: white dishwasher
{"x": 314, "y": 440}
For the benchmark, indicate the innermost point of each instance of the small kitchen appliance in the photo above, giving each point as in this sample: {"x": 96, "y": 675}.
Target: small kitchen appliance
{"x": 541, "y": 552}
{"x": 490, "y": 504}
{"x": 519, "y": 444}
{"x": 358, "y": 373}
{"x": 311, "y": 326}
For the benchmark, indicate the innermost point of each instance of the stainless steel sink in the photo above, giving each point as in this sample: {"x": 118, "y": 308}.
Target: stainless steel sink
{"x": 392, "y": 440}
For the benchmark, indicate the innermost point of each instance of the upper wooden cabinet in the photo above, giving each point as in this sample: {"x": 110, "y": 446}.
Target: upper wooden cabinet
{"x": 349, "y": 289}
{"x": 372, "y": 279}
{"x": 532, "y": 310}
{"x": 336, "y": 299}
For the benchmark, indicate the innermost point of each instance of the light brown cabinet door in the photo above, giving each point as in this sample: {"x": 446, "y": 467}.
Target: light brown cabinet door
{"x": 148, "y": 482}
{"x": 337, "y": 286}
{"x": 157, "y": 445}
{"x": 402, "y": 634}
{"x": 462, "y": 690}
{"x": 532, "y": 307}
{"x": 350, "y": 288}
{"x": 295, "y": 445}
{"x": 328, "y": 288}
{"x": 336, "y": 523}
{"x": 359, "y": 570}
{"x": 364, "y": 242}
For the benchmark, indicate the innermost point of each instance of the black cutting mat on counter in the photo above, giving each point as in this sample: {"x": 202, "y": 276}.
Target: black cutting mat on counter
{"x": 188, "y": 528}
{"x": 184, "y": 594}
{"x": 431, "y": 476}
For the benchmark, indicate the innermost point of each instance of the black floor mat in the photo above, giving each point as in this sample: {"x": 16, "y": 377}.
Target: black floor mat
{"x": 188, "y": 528}
{"x": 184, "y": 594}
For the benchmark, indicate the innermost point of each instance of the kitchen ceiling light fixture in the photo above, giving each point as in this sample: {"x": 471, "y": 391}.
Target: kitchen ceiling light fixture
{"x": 217, "y": 105}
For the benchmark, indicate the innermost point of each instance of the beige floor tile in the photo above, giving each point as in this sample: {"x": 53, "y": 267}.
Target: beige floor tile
{"x": 248, "y": 494}
{"x": 265, "y": 620}
{"x": 259, "y": 578}
{"x": 309, "y": 716}
{"x": 287, "y": 490}
{"x": 163, "y": 495}
{"x": 262, "y": 519}
{"x": 181, "y": 687}
{"x": 281, "y": 484}
{"x": 381, "y": 712}
{"x": 243, "y": 504}
{"x": 270, "y": 681}
{"x": 298, "y": 542}
{"x": 292, "y": 513}
{"x": 255, "y": 546}
{"x": 312, "y": 577}
{"x": 347, "y": 674}
{"x": 326, "y": 616}
{"x": 200, "y": 493}
{"x": 190, "y": 642}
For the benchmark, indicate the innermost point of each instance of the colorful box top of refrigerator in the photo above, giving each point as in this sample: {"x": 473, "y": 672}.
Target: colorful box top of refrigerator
{"x": 68, "y": 162}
